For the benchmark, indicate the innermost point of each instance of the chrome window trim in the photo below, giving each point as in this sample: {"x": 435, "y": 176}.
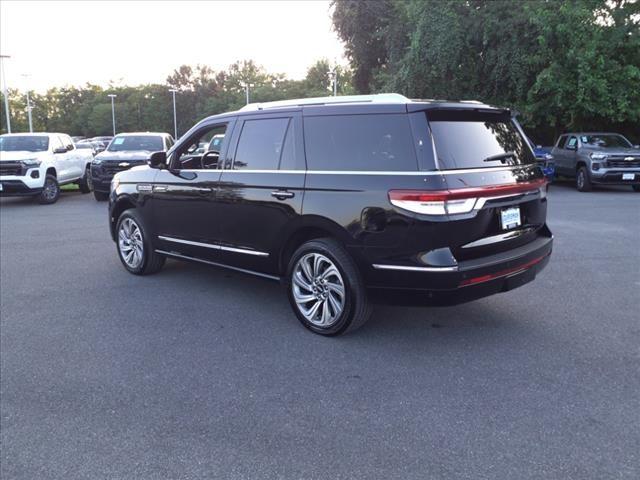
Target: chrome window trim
{"x": 374, "y": 172}
{"x": 379, "y": 266}
{"x": 214, "y": 247}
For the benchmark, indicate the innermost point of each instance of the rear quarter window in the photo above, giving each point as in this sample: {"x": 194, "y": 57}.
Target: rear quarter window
{"x": 380, "y": 142}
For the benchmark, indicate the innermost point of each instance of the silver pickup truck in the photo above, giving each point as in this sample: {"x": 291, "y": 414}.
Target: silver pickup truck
{"x": 597, "y": 158}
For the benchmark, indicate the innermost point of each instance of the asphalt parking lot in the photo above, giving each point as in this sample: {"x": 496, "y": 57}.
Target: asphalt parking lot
{"x": 201, "y": 373}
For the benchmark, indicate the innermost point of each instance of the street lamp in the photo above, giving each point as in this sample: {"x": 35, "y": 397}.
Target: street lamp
{"x": 4, "y": 92}
{"x": 333, "y": 76}
{"x": 113, "y": 111}
{"x": 29, "y": 107}
{"x": 175, "y": 117}
{"x": 246, "y": 89}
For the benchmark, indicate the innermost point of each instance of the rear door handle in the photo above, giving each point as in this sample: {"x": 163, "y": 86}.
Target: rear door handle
{"x": 282, "y": 194}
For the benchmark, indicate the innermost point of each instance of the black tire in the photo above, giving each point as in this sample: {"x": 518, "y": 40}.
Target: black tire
{"x": 151, "y": 261}
{"x": 50, "y": 191}
{"x": 100, "y": 196}
{"x": 583, "y": 180}
{"x": 85, "y": 183}
{"x": 356, "y": 307}
{"x": 636, "y": 188}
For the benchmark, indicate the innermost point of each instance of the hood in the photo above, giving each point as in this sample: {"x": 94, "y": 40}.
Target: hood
{"x": 613, "y": 150}
{"x": 139, "y": 155}
{"x": 20, "y": 155}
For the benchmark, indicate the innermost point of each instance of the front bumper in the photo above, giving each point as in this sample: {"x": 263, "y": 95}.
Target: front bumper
{"x": 615, "y": 176}
{"x": 17, "y": 185}
{"x": 471, "y": 280}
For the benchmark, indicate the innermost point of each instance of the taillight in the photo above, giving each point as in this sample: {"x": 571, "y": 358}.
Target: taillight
{"x": 459, "y": 200}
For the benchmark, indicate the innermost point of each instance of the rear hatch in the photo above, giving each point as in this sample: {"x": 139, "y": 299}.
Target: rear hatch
{"x": 493, "y": 194}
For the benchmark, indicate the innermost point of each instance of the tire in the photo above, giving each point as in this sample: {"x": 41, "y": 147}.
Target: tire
{"x": 327, "y": 318}
{"x": 636, "y": 188}
{"x": 86, "y": 183}
{"x": 100, "y": 196}
{"x": 134, "y": 245}
{"x": 583, "y": 181}
{"x": 50, "y": 191}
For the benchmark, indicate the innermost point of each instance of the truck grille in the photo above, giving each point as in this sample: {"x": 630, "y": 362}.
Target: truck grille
{"x": 618, "y": 161}
{"x": 112, "y": 168}
{"x": 11, "y": 168}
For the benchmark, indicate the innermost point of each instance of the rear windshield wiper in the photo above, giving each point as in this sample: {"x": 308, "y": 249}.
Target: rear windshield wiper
{"x": 500, "y": 157}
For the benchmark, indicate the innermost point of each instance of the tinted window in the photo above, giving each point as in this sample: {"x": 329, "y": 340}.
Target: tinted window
{"x": 359, "y": 142}
{"x": 38, "y": 143}
{"x": 605, "y": 141}
{"x": 288, "y": 158}
{"x": 477, "y": 140}
{"x": 126, "y": 143}
{"x": 260, "y": 144}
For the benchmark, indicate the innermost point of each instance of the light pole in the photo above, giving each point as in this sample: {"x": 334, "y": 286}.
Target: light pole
{"x": 246, "y": 89}
{"x": 333, "y": 75}
{"x": 29, "y": 107}
{"x": 175, "y": 117}
{"x": 4, "y": 92}
{"x": 113, "y": 111}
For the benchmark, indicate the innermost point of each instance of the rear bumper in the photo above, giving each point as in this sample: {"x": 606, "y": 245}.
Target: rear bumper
{"x": 471, "y": 280}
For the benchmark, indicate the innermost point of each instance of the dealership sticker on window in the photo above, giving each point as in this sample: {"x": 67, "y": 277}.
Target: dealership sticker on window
{"x": 118, "y": 141}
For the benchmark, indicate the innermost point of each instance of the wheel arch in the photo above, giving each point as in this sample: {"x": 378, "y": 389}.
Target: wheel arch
{"x": 121, "y": 204}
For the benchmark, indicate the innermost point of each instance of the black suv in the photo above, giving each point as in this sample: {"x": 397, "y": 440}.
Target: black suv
{"x": 346, "y": 200}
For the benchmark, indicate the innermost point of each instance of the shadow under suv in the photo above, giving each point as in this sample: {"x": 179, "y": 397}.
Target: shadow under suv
{"x": 347, "y": 201}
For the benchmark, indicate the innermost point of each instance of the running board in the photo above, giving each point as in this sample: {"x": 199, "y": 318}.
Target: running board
{"x": 215, "y": 264}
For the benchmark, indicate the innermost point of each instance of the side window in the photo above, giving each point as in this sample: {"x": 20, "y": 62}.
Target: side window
{"x": 199, "y": 153}
{"x": 572, "y": 143}
{"x": 68, "y": 143}
{"x": 380, "y": 142}
{"x": 56, "y": 142}
{"x": 260, "y": 144}
{"x": 288, "y": 157}
{"x": 561, "y": 140}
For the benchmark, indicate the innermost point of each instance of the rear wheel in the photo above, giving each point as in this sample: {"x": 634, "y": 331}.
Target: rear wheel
{"x": 134, "y": 245}
{"x": 50, "y": 191}
{"x": 100, "y": 196}
{"x": 325, "y": 288}
{"x": 583, "y": 181}
{"x": 85, "y": 183}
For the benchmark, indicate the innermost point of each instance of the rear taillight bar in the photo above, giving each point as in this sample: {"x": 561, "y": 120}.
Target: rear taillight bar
{"x": 459, "y": 200}
{"x": 502, "y": 273}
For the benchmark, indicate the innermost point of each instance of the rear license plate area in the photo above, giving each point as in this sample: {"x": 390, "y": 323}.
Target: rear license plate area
{"x": 510, "y": 218}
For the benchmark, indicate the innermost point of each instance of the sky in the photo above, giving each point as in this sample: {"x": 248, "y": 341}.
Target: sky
{"x": 72, "y": 43}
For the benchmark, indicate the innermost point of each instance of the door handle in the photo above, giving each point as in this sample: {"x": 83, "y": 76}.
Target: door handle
{"x": 160, "y": 188}
{"x": 282, "y": 194}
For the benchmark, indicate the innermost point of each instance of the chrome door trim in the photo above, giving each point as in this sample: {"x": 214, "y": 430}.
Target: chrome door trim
{"x": 406, "y": 268}
{"x": 213, "y": 246}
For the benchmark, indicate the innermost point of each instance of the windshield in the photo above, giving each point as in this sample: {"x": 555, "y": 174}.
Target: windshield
{"x": 136, "y": 142}
{"x": 477, "y": 140}
{"x": 605, "y": 141}
{"x": 22, "y": 143}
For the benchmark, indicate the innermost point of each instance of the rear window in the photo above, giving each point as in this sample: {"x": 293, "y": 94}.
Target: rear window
{"x": 359, "y": 142}
{"x": 477, "y": 140}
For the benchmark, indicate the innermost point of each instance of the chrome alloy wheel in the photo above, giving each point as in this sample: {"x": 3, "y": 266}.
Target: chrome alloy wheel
{"x": 50, "y": 189}
{"x": 130, "y": 243}
{"x": 318, "y": 289}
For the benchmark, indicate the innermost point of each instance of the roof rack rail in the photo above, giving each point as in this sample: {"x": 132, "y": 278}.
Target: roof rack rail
{"x": 378, "y": 98}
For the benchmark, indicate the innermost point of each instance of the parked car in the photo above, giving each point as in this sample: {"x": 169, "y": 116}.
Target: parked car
{"x": 544, "y": 159}
{"x": 93, "y": 146}
{"x": 37, "y": 164}
{"x": 351, "y": 209}
{"x": 126, "y": 150}
{"x": 76, "y": 139}
{"x": 597, "y": 158}
{"x": 102, "y": 142}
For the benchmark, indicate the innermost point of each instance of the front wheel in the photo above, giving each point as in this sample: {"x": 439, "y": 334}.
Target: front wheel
{"x": 50, "y": 191}
{"x": 325, "y": 288}
{"x": 134, "y": 245}
{"x": 583, "y": 181}
{"x": 86, "y": 183}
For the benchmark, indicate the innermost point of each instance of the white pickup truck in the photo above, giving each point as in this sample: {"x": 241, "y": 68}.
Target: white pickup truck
{"x": 37, "y": 164}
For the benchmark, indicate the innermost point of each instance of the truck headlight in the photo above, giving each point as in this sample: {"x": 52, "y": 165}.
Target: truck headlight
{"x": 31, "y": 162}
{"x": 598, "y": 156}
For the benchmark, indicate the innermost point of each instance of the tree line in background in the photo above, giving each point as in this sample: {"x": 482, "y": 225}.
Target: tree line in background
{"x": 202, "y": 91}
{"x": 563, "y": 65}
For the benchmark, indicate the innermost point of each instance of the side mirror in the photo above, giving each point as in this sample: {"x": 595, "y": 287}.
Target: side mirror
{"x": 60, "y": 150}
{"x": 158, "y": 160}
